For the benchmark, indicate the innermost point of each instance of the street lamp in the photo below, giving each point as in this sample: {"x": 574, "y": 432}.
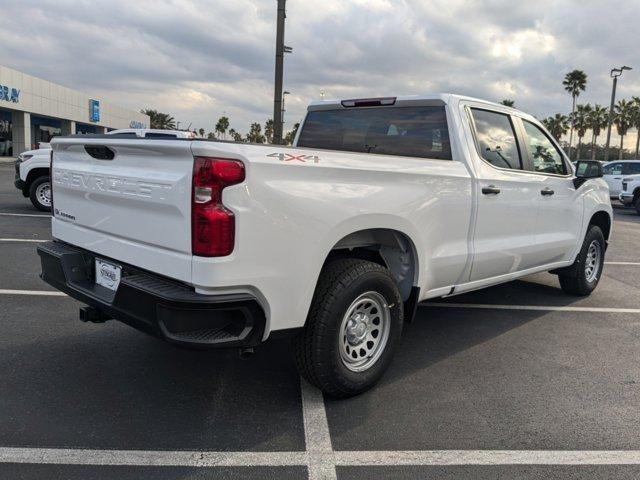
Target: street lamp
{"x": 615, "y": 73}
{"x": 283, "y": 110}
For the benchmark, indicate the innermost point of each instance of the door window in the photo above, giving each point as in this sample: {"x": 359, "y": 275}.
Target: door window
{"x": 546, "y": 157}
{"x": 633, "y": 168}
{"x": 612, "y": 169}
{"x": 496, "y": 139}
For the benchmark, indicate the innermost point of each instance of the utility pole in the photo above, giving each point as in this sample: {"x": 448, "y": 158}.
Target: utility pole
{"x": 277, "y": 94}
{"x": 615, "y": 73}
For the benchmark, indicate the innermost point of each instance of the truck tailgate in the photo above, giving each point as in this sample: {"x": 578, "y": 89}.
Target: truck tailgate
{"x": 135, "y": 207}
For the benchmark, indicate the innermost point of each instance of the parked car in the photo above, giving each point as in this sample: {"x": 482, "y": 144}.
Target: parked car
{"x": 32, "y": 167}
{"x": 630, "y": 194}
{"x": 382, "y": 203}
{"x": 616, "y": 171}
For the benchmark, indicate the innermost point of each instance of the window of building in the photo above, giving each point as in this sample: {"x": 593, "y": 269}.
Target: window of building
{"x": 402, "y": 131}
{"x": 546, "y": 157}
{"x": 496, "y": 139}
{"x": 84, "y": 129}
{"x": 6, "y": 135}
{"x": 43, "y": 129}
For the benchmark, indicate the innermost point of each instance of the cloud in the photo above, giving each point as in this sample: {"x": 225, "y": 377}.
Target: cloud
{"x": 197, "y": 59}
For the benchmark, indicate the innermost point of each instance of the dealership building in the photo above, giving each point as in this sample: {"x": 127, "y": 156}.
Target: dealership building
{"x": 34, "y": 110}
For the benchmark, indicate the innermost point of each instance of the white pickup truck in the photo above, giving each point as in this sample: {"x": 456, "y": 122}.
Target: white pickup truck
{"x": 382, "y": 203}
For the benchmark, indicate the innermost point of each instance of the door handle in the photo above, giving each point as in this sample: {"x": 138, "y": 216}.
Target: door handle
{"x": 490, "y": 190}
{"x": 547, "y": 191}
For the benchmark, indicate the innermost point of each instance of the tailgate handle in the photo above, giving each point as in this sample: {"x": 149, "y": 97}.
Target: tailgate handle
{"x": 100, "y": 152}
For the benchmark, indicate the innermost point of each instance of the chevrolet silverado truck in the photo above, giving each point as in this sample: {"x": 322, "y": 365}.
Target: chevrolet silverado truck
{"x": 32, "y": 166}
{"x": 630, "y": 194}
{"x": 380, "y": 204}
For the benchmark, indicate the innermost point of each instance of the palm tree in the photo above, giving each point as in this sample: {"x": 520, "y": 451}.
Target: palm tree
{"x": 255, "y": 134}
{"x": 623, "y": 116}
{"x": 580, "y": 119}
{"x": 201, "y": 132}
{"x": 557, "y": 125}
{"x": 222, "y": 125}
{"x": 291, "y": 135}
{"x": 636, "y": 121}
{"x": 158, "y": 120}
{"x": 508, "y": 103}
{"x": 232, "y": 133}
{"x": 268, "y": 130}
{"x": 574, "y": 82}
{"x": 237, "y": 137}
{"x": 598, "y": 119}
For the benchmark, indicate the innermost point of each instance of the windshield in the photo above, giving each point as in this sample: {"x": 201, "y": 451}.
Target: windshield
{"x": 403, "y": 131}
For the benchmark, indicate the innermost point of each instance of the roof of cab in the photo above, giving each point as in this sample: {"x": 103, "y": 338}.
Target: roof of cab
{"x": 444, "y": 98}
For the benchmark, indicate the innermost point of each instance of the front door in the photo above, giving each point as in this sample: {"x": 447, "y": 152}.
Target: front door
{"x": 559, "y": 219}
{"x": 613, "y": 177}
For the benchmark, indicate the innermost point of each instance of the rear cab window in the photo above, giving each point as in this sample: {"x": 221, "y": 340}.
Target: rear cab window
{"x": 412, "y": 131}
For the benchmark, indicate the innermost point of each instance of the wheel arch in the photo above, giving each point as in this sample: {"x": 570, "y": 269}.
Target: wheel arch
{"x": 36, "y": 173}
{"x": 602, "y": 219}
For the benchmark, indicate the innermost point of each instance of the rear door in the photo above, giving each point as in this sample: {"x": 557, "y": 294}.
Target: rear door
{"x": 613, "y": 176}
{"x": 558, "y": 222}
{"x": 504, "y": 237}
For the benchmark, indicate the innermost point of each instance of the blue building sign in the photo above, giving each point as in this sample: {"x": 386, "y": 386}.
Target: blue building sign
{"x": 137, "y": 124}
{"x": 9, "y": 94}
{"x": 94, "y": 110}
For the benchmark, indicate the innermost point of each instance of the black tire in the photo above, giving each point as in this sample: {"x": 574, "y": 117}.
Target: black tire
{"x": 578, "y": 282}
{"x": 35, "y": 193}
{"x": 637, "y": 204}
{"x": 317, "y": 348}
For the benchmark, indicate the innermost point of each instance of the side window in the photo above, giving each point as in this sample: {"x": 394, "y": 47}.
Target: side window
{"x": 546, "y": 157}
{"x": 612, "y": 169}
{"x": 633, "y": 168}
{"x": 496, "y": 139}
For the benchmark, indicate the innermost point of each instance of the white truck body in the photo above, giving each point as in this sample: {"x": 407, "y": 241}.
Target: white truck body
{"x": 434, "y": 223}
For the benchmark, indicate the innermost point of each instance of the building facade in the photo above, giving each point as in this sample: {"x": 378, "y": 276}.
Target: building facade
{"x": 34, "y": 110}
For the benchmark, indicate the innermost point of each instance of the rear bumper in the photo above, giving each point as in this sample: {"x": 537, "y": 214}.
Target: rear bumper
{"x": 626, "y": 198}
{"x": 156, "y": 305}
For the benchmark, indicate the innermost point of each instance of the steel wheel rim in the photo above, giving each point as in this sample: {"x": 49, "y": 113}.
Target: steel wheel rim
{"x": 592, "y": 262}
{"x": 43, "y": 194}
{"x": 364, "y": 331}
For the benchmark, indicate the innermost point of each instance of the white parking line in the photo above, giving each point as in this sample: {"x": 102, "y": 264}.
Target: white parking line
{"x": 543, "y": 308}
{"x": 316, "y": 434}
{"x": 45, "y": 293}
{"x": 22, "y": 240}
{"x": 4, "y": 214}
{"x": 623, "y": 263}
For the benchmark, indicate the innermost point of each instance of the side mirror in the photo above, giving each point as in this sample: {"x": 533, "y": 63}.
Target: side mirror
{"x": 586, "y": 169}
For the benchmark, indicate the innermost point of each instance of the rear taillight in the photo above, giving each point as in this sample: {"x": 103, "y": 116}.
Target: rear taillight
{"x": 51, "y": 181}
{"x": 213, "y": 227}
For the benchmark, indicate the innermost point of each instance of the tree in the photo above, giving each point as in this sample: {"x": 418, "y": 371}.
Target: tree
{"x": 636, "y": 121}
{"x": 255, "y": 134}
{"x": 232, "y": 134}
{"x": 158, "y": 120}
{"x": 557, "y": 125}
{"x": 291, "y": 135}
{"x": 598, "y": 119}
{"x": 623, "y": 116}
{"x": 508, "y": 103}
{"x": 574, "y": 82}
{"x": 237, "y": 137}
{"x": 201, "y": 132}
{"x": 580, "y": 120}
{"x": 221, "y": 126}
{"x": 268, "y": 130}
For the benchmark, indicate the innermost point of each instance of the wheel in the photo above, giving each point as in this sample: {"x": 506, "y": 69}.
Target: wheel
{"x": 588, "y": 265}
{"x": 352, "y": 330}
{"x": 40, "y": 193}
{"x": 637, "y": 204}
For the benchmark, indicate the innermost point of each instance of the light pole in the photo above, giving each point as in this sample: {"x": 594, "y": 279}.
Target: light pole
{"x": 281, "y": 49}
{"x": 615, "y": 73}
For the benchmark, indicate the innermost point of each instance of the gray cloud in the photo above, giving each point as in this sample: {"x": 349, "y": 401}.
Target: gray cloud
{"x": 197, "y": 59}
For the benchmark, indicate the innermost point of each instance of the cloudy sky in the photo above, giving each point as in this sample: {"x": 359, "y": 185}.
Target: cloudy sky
{"x": 197, "y": 59}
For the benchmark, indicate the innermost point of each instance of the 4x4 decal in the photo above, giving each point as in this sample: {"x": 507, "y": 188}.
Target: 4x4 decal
{"x": 288, "y": 157}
